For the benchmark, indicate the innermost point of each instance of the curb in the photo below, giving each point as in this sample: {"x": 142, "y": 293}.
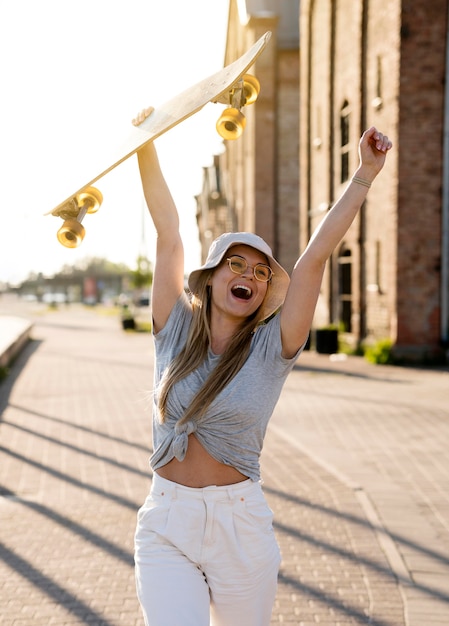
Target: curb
{"x": 14, "y": 335}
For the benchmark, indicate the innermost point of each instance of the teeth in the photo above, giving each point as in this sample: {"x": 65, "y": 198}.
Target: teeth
{"x": 244, "y": 287}
{"x": 242, "y": 291}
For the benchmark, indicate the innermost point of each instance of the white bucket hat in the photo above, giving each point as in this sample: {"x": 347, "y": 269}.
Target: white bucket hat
{"x": 278, "y": 284}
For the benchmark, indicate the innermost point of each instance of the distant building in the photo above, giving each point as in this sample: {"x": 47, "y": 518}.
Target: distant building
{"x": 91, "y": 285}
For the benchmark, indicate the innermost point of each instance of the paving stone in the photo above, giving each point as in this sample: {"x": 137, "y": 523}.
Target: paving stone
{"x": 75, "y": 439}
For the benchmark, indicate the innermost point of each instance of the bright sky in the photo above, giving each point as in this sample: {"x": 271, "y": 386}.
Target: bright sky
{"x": 73, "y": 74}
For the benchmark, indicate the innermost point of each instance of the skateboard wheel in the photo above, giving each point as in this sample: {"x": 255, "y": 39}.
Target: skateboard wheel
{"x": 251, "y": 88}
{"x": 231, "y": 124}
{"x": 71, "y": 233}
{"x": 92, "y": 196}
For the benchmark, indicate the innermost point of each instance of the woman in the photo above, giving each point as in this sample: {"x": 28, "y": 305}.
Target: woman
{"x": 205, "y": 547}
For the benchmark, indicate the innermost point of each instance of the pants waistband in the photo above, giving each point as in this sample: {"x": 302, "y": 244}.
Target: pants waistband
{"x": 162, "y": 486}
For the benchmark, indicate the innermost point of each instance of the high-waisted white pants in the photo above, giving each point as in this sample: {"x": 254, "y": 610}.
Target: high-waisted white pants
{"x": 206, "y": 556}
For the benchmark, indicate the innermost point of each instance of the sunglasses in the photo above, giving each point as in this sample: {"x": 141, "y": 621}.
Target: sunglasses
{"x": 238, "y": 265}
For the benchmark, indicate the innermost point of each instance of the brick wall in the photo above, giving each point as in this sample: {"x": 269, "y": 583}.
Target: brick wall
{"x": 385, "y": 61}
{"x": 421, "y": 105}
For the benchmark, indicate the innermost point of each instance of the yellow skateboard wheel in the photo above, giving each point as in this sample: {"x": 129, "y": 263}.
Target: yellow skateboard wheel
{"x": 71, "y": 233}
{"x": 231, "y": 124}
{"x": 92, "y": 196}
{"x": 251, "y": 88}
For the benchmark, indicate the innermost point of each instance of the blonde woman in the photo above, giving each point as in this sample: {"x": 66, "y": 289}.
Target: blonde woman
{"x": 205, "y": 550}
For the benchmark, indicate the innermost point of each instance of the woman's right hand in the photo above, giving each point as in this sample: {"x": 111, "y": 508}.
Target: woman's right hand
{"x": 142, "y": 116}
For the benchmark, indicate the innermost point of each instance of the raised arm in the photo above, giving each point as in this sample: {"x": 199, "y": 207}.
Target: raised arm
{"x": 299, "y": 307}
{"x": 168, "y": 279}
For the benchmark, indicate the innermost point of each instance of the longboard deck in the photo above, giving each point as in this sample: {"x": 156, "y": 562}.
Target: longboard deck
{"x": 215, "y": 88}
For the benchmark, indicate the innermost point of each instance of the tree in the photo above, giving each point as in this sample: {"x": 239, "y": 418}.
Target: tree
{"x": 143, "y": 275}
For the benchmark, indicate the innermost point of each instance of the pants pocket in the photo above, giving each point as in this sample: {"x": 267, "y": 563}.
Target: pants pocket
{"x": 152, "y": 518}
{"x": 253, "y": 512}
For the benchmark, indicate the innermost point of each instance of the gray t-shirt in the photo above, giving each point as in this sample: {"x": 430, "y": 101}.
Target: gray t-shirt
{"x": 234, "y": 426}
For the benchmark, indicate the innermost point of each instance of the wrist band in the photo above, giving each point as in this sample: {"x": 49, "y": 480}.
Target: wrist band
{"x": 361, "y": 181}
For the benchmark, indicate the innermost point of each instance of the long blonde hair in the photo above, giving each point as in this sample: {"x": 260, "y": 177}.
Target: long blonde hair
{"x": 195, "y": 352}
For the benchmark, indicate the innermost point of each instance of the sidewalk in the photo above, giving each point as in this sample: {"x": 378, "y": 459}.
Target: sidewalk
{"x": 355, "y": 467}
{"x": 383, "y": 432}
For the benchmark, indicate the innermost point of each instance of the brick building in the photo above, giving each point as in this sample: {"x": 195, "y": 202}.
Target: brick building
{"x": 254, "y": 185}
{"x": 382, "y": 63}
{"x": 362, "y": 63}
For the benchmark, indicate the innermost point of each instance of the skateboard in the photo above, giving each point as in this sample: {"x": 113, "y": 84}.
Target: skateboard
{"x": 231, "y": 86}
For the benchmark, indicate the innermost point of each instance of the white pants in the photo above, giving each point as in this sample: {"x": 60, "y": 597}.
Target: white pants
{"x": 206, "y": 556}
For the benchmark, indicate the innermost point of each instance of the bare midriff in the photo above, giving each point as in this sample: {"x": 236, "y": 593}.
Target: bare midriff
{"x": 199, "y": 469}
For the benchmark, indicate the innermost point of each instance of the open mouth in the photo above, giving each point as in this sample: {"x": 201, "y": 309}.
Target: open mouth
{"x": 242, "y": 292}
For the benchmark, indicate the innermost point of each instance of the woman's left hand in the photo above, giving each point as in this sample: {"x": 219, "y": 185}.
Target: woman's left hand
{"x": 373, "y": 148}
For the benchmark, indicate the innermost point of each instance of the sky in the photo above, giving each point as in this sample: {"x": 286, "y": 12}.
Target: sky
{"x": 73, "y": 74}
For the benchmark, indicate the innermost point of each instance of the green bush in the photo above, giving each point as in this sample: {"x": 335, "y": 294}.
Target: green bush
{"x": 380, "y": 352}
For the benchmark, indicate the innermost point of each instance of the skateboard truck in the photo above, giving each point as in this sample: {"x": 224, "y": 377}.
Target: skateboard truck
{"x": 232, "y": 122}
{"x": 72, "y": 232}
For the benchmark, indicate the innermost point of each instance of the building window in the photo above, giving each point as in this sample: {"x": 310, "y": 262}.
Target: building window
{"x": 375, "y": 287}
{"x": 344, "y": 142}
{"x": 345, "y": 289}
{"x": 377, "y": 101}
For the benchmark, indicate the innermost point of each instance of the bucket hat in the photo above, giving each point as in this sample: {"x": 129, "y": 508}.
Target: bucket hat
{"x": 278, "y": 284}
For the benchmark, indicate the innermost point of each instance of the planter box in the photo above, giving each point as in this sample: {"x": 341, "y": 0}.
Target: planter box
{"x": 326, "y": 340}
{"x": 128, "y": 324}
